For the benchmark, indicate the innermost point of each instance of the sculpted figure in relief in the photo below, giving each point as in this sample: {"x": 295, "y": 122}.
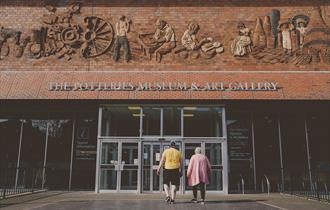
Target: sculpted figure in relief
{"x": 122, "y": 28}
{"x": 242, "y": 44}
{"x": 301, "y": 22}
{"x": 192, "y": 47}
{"x": 165, "y": 36}
{"x": 189, "y": 39}
{"x": 286, "y": 29}
{"x": 161, "y": 42}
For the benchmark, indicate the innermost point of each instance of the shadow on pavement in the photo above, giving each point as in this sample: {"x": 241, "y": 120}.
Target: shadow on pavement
{"x": 225, "y": 201}
{"x": 28, "y": 198}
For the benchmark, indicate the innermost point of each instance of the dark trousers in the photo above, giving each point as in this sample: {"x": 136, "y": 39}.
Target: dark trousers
{"x": 201, "y": 187}
{"x": 121, "y": 41}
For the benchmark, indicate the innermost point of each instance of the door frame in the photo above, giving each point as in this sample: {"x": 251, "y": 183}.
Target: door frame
{"x": 161, "y": 145}
{"x": 120, "y": 143}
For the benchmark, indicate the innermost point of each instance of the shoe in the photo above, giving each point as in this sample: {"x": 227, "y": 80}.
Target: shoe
{"x": 202, "y": 202}
{"x": 194, "y": 200}
{"x": 172, "y": 201}
{"x": 168, "y": 199}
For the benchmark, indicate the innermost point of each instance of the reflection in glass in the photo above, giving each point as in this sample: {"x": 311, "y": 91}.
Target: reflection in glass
{"x": 121, "y": 121}
{"x": 202, "y": 122}
{"x": 151, "y": 121}
{"x": 172, "y": 121}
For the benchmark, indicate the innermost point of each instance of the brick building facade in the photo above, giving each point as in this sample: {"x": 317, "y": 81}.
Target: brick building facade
{"x": 248, "y": 81}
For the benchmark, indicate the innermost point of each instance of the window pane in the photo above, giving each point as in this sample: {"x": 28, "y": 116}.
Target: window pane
{"x": 151, "y": 121}
{"x": 109, "y": 153}
{"x": 213, "y": 152}
{"x": 267, "y": 150}
{"x": 202, "y": 121}
{"x": 59, "y": 154}
{"x": 121, "y": 121}
{"x": 32, "y": 153}
{"x": 319, "y": 144}
{"x": 129, "y": 153}
{"x": 9, "y": 143}
{"x": 294, "y": 151}
{"x": 172, "y": 121}
{"x": 83, "y": 172}
{"x": 240, "y": 150}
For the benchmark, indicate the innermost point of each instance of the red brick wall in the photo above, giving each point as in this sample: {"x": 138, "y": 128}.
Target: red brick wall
{"x": 217, "y": 19}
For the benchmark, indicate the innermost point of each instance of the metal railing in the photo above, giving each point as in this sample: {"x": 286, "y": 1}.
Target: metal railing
{"x": 265, "y": 178}
{"x": 241, "y": 185}
{"x": 318, "y": 191}
{"x": 15, "y": 181}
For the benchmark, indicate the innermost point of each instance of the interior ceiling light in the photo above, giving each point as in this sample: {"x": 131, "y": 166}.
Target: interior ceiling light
{"x": 138, "y": 115}
{"x": 134, "y": 108}
{"x": 189, "y": 108}
{"x": 188, "y": 115}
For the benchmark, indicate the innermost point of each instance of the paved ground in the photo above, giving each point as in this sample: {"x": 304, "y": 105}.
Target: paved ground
{"x": 118, "y": 201}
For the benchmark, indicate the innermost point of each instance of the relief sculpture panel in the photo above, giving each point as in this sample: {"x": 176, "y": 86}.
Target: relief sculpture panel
{"x": 70, "y": 34}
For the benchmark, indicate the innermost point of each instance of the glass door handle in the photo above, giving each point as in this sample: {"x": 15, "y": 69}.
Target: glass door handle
{"x": 121, "y": 167}
{"x": 117, "y": 167}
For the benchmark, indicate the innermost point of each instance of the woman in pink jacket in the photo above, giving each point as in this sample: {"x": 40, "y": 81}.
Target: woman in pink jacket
{"x": 198, "y": 173}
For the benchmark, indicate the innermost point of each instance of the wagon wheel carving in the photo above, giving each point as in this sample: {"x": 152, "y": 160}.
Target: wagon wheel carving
{"x": 97, "y": 37}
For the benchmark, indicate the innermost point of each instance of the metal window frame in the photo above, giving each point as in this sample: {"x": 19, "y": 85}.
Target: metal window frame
{"x": 141, "y": 139}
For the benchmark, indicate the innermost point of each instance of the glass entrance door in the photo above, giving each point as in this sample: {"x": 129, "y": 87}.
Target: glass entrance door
{"x": 119, "y": 166}
{"x": 213, "y": 151}
{"x": 152, "y": 152}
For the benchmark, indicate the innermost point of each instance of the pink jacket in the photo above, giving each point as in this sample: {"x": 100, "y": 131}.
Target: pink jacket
{"x": 199, "y": 170}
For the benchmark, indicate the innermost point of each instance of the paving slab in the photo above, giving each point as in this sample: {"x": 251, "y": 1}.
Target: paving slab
{"x": 122, "y": 201}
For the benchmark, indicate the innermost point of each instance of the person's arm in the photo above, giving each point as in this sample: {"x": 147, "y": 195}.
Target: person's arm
{"x": 190, "y": 166}
{"x": 181, "y": 163}
{"x": 161, "y": 163}
{"x": 168, "y": 34}
{"x": 117, "y": 28}
{"x": 127, "y": 25}
{"x": 208, "y": 167}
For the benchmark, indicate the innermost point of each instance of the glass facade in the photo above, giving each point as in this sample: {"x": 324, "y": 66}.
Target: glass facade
{"x": 157, "y": 125}
{"x": 121, "y": 150}
{"x": 115, "y": 121}
{"x": 267, "y": 151}
{"x": 44, "y": 151}
{"x": 208, "y": 120}
{"x": 295, "y": 159}
{"x": 240, "y": 149}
